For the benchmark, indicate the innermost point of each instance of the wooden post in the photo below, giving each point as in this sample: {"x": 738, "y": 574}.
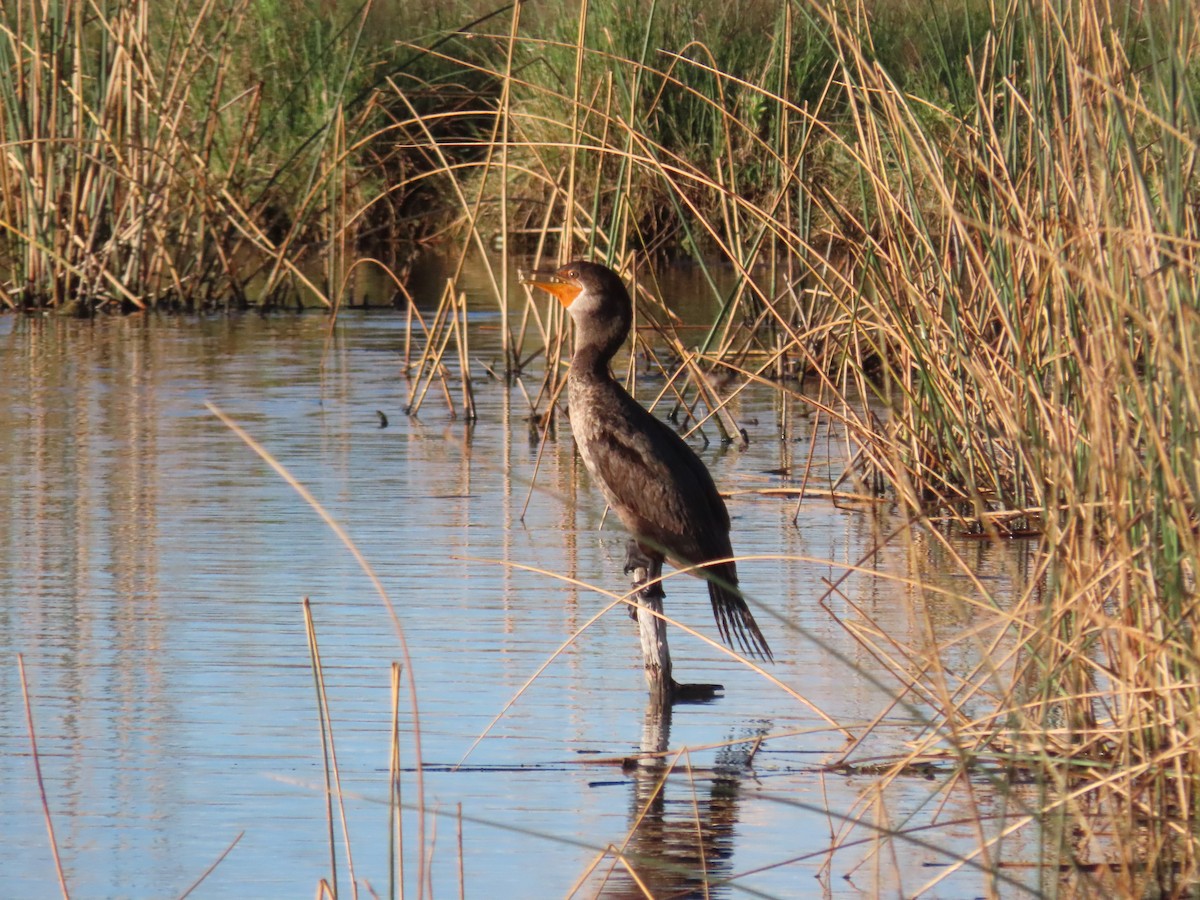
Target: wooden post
{"x": 656, "y": 655}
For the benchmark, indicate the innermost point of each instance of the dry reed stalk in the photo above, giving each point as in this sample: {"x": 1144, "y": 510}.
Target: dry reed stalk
{"x": 426, "y": 884}
{"x": 619, "y": 851}
{"x": 583, "y": 876}
{"x": 993, "y": 407}
{"x": 449, "y": 171}
{"x": 543, "y": 440}
{"x": 37, "y": 768}
{"x": 395, "y": 797}
{"x": 1003, "y": 333}
{"x": 126, "y": 155}
{"x": 530, "y": 307}
{"x": 499, "y": 132}
{"x": 504, "y": 115}
{"x": 629, "y": 600}
{"x": 565, "y": 250}
{"x": 462, "y": 342}
{"x": 462, "y": 878}
{"x": 212, "y": 866}
{"x": 449, "y": 324}
{"x": 333, "y": 776}
{"x": 429, "y": 365}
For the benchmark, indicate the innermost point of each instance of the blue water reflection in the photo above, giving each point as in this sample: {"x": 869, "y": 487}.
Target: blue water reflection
{"x": 152, "y": 570}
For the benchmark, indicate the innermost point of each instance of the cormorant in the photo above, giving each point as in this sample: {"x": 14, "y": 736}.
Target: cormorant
{"x": 652, "y": 480}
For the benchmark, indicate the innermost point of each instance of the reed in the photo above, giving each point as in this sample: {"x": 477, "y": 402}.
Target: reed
{"x": 333, "y": 776}
{"x": 133, "y": 144}
{"x": 1029, "y": 288}
{"x": 395, "y": 837}
{"x": 1023, "y": 282}
{"x": 37, "y": 769}
{"x": 449, "y": 324}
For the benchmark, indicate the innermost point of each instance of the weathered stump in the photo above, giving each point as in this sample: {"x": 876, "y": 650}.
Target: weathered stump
{"x": 656, "y": 654}
{"x": 652, "y": 629}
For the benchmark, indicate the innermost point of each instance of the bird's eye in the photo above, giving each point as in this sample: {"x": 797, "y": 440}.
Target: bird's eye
{"x": 572, "y": 273}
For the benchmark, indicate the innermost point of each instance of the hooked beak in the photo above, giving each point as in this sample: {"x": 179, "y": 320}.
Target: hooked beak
{"x": 552, "y": 283}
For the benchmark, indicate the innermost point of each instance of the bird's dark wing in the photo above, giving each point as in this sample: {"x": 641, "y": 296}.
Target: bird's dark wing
{"x": 658, "y": 487}
{"x": 665, "y": 497}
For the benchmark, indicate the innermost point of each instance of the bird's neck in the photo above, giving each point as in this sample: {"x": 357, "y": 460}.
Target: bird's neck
{"x": 596, "y": 343}
{"x": 592, "y": 361}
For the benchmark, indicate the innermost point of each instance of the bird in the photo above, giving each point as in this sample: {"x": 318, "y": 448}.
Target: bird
{"x": 654, "y": 482}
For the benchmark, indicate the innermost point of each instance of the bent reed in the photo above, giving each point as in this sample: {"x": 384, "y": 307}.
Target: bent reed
{"x": 967, "y": 236}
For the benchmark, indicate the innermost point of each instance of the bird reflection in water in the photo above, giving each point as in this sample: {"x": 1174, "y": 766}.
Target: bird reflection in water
{"x": 682, "y": 824}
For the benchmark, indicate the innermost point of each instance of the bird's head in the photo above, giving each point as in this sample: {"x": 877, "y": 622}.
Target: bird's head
{"x": 593, "y": 294}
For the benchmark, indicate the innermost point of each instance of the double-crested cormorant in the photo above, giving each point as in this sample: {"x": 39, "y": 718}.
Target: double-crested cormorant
{"x": 656, "y": 485}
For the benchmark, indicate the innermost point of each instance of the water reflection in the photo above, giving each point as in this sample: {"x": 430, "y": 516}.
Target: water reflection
{"x": 682, "y": 821}
{"x": 151, "y": 571}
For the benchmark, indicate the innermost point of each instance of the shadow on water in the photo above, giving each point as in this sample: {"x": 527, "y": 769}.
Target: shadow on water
{"x": 151, "y": 573}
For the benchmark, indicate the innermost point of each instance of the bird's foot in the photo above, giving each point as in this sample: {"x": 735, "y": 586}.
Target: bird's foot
{"x": 694, "y": 693}
{"x": 646, "y": 592}
{"x": 637, "y": 558}
{"x": 646, "y": 571}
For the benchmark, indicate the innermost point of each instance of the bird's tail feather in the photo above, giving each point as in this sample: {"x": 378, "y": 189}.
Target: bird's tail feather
{"x": 735, "y": 622}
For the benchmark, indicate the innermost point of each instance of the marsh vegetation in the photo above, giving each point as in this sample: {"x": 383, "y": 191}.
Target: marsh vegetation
{"x": 963, "y": 236}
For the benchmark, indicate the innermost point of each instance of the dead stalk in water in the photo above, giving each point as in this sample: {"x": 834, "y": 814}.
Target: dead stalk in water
{"x": 212, "y": 867}
{"x": 37, "y": 768}
{"x": 333, "y": 777}
{"x": 395, "y": 797}
{"x": 445, "y": 328}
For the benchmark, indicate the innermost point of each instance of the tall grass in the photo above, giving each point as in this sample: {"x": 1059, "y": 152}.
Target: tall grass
{"x": 139, "y": 168}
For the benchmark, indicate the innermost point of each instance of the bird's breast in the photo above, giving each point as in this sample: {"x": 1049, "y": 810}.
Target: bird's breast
{"x": 588, "y": 423}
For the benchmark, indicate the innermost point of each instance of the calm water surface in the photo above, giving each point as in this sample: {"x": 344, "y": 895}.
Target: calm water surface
{"x": 152, "y": 570}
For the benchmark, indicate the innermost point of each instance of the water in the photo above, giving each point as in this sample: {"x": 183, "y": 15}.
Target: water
{"x": 152, "y": 569}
